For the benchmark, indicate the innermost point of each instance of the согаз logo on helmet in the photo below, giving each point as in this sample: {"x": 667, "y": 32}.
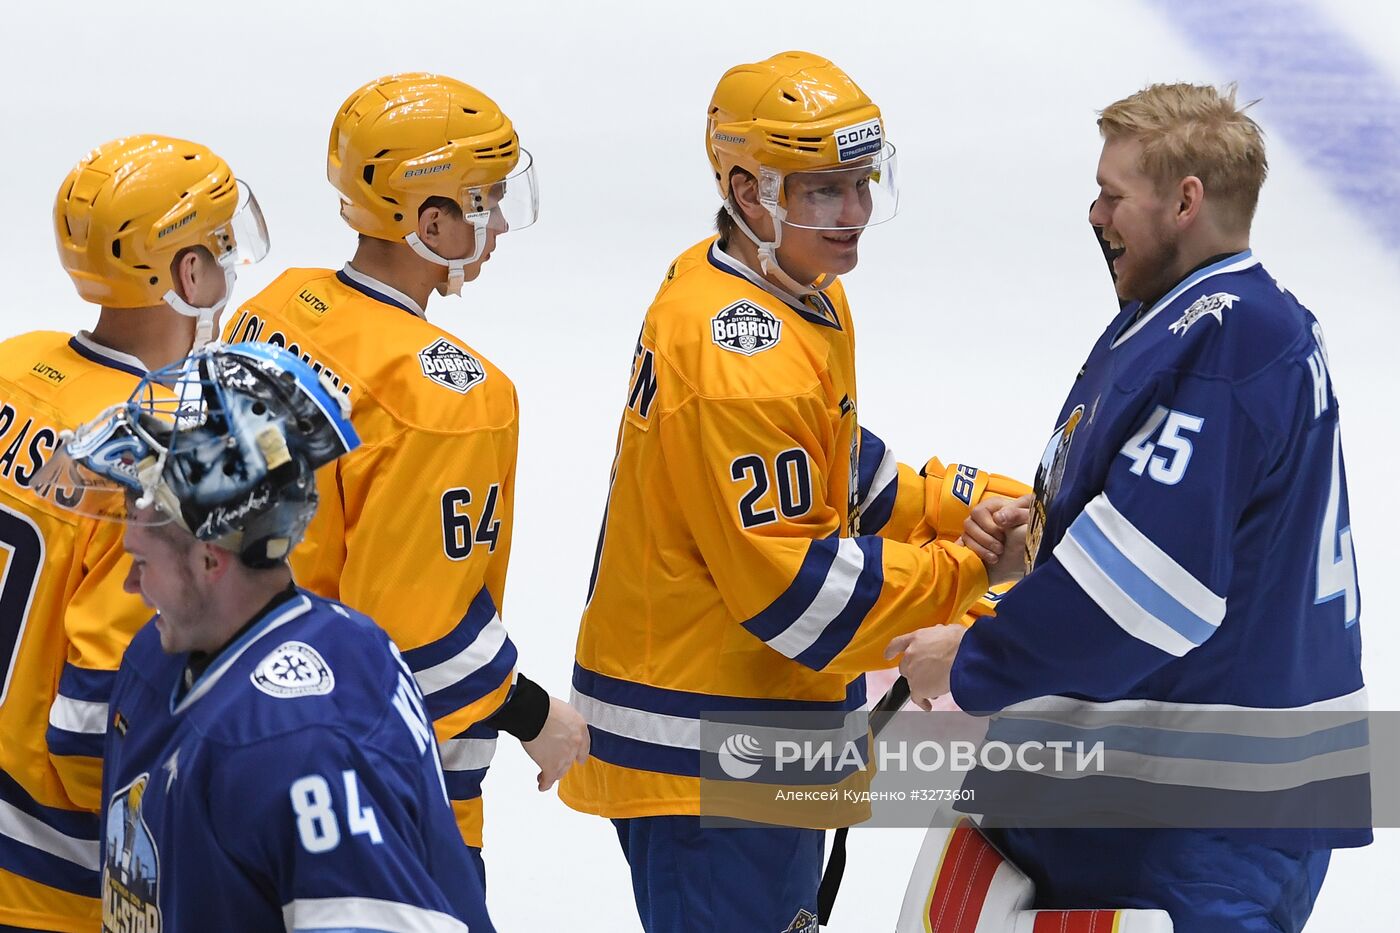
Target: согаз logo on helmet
{"x": 450, "y": 366}
{"x": 860, "y": 140}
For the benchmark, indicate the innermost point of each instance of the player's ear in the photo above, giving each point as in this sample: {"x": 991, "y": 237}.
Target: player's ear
{"x": 185, "y": 272}
{"x": 1191, "y": 195}
{"x": 743, "y": 189}
{"x": 430, "y": 225}
{"x": 214, "y": 561}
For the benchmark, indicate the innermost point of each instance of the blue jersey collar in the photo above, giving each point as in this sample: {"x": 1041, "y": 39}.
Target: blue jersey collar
{"x": 82, "y": 344}
{"x": 289, "y": 611}
{"x": 1235, "y": 263}
{"x": 824, "y": 312}
{"x": 351, "y": 277}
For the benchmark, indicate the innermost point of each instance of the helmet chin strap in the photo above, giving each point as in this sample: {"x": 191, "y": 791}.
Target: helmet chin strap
{"x": 768, "y": 252}
{"x": 204, "y": 317}
{"x": 456, "y": 268}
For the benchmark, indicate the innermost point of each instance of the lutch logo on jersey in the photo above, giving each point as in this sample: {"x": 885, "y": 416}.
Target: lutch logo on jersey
{"x": 449, "y": 365}
{"x": 745, "y": 328}
{"x": 804, "y": 922}
{"x": 131, "y": 871}
{"x": 293, "y": 669}
{"x": 1213, "y": 305}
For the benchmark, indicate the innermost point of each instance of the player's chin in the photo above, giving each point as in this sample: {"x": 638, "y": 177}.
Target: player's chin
{"x": 842, "y": 249}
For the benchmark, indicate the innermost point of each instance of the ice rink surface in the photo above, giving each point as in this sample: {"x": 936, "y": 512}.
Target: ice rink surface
{"x": 974, "y": 307}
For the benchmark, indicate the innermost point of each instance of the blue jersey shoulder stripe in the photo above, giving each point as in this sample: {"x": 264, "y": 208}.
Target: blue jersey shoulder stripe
{"x": 476, "y": 618}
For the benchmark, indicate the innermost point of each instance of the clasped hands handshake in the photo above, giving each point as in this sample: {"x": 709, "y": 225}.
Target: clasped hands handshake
{"x": 996, "y": 532}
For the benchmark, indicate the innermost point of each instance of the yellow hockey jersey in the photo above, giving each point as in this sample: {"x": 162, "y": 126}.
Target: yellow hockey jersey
{"x": 64, "y": 624}
{"x": 759, "y": 549}
{"x": 414, "y": 527}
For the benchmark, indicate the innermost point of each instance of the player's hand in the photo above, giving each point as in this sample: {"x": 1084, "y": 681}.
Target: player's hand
{"x": 927, "y": 660}
{"x": 562, "y": 743}
{"x": 996, "y": 532}
{"x": 986, "y": 526}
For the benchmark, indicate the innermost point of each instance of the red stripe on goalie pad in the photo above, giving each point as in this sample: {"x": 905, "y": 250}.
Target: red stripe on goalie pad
{"x": 963, "y": 881}
{"x": 1075, "y": 921}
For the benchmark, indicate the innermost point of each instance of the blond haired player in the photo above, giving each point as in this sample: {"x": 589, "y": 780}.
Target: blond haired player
{"x": 1193, "y": 572}
{"x": 150, "y": 229}
{"x": 756, "y": 551}
{"x": 415, "y": 527}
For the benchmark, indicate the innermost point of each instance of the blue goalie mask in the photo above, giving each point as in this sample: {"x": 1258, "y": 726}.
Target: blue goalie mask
{"x": 224, "y": 443}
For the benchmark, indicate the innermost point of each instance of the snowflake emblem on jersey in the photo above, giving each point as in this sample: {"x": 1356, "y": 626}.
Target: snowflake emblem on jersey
{"x": 449, "y": 365}
{"x": 293, "y": 669}
{"x": 1214, "y": 305}
{"x": 745, "y": 328}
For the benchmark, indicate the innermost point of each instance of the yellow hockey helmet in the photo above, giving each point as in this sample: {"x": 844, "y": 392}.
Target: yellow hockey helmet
{"x": 796, "y": 115}
{"x": 131, "y": 204}
{"x": 792, "y": 112}
{"x": 407, "y": 137}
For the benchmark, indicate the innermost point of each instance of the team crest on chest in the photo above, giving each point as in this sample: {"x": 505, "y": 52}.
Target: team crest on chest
{"x": 804, "y": 922}
{"x": 745, "y": 328}
{"x": 293, "y": 669}
{"x": 1213, "y": 305}
{"x": 1049, "y": 476}
{"x": 131, "y": 872}
{"x": 449, "y": 365}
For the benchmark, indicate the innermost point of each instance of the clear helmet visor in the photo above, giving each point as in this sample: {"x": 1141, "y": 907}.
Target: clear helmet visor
{"x": 245, "y": 234}
{"x": 513, "y": 203}
{"x": 851, "y": 196}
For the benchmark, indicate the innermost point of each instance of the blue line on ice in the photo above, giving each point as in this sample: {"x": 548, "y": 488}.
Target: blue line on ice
{"x": 1320, "y": 93}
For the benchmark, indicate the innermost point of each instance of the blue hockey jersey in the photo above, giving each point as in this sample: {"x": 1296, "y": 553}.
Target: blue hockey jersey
{"x": 1191, "y": 546}
{"x": 294, "y": 785}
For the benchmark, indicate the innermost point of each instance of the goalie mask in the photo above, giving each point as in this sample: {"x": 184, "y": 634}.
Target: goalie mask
{"x": 224, "y": 443}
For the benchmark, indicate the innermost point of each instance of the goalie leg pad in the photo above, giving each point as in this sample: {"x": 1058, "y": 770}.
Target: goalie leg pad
{"x": 963, "y": 884}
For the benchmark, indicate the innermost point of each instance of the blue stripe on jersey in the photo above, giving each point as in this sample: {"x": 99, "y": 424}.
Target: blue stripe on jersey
{"x": 838, "y": 633}
{"x": 1138, "y": 586}
{"x": 1203, "y": 746}
{"x": 875, "y": 515}
{"x": 692, "y": 705}
{"x": 872, "y": 452}
{"x": 36, "y": 864}
{"x": 81, "y": 683}
{"x": 78, "y": 744}
{"x": 79, "y": 824}
{"x": 479, "y": 614}
{"x": 818, "y": 614}
{"x": 464, "y": 785}
{"x": 475, "y": 685}
{"x": 643, "y": 756}
{"x": 804, "y": 588}
{"x": 877, "y": 475}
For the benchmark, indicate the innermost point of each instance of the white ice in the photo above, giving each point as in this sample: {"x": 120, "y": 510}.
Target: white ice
{"x": 974, "y": 307}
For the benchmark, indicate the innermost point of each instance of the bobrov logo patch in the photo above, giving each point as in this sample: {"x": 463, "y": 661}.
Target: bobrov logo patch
{"x": 745, "y": 328}
{"x": 449, "y": 365}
